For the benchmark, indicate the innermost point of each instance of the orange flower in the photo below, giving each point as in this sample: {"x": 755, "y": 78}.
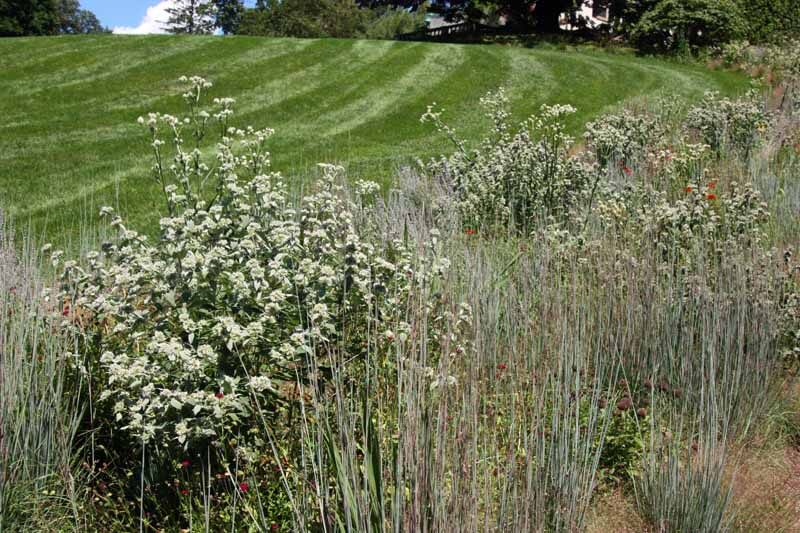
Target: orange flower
{"x": 689, "y": 189}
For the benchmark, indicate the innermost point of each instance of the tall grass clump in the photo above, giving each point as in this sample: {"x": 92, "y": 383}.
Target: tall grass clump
{"x": 39, "y": 408}
{"x": 683, "y": 484}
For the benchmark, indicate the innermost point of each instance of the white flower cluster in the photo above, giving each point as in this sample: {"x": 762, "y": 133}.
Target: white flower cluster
{"x": 622, "y": 137}
{"x": 237, "y": 294}
{"x": 790, "y": 317}
{"x": 679, "y": 163}
{"x": 735, "y": 124}
{"x": 736, "y": 53}
{"x": 720, "y": 222}
{"x": 513, "y": 179}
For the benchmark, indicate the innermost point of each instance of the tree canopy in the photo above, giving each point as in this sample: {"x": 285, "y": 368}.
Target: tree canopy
{"x": 191, "y": 17}
{"x": 228, "y": 15}
{"x": 46, "y": 17}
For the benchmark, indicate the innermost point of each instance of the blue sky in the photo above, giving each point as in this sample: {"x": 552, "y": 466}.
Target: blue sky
{"x": 130, "y": 16}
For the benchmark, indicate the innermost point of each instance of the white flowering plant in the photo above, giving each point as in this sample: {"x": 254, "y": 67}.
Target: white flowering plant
{"x": 735, "y": 124}
{"x": 735, "y": 53}
{"x": 672, "y": 166}
{"x": 790, "y": 307}
{"x": 778, "y": 64}
{"x": 514, "y": 179}
{"x": 194, "y": 333}
{"x": 622, "y": 137}
{"x": 718, "y": 222}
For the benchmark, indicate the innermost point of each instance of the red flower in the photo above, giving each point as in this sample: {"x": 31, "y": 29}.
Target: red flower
{"x": 65, "y": 311}
{"x": 689, "y": 189}
{"x": 184, "y": 492}
{"x": 712, "y": 185}
{"x": 624, "y": 404}
{"x": 244, "y": 487}
{"x": 711, "y": 196}
{"x": 185, "y": 463}
{"x": 219, "y": 395}
{"x": 471, "y": 231}
{"x": 501, "y": 366}
{"x": 627, "y": 170}
{"x": 274, "y": 527}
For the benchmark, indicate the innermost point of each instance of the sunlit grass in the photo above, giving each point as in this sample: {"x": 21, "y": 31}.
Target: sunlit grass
{"x": 69, "y": 142}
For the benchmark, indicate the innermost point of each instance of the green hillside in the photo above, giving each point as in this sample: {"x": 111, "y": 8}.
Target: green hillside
{"x": 69, "y": 141}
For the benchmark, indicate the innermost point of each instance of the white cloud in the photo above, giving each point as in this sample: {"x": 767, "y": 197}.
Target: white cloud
{"x": 152, "y": 22}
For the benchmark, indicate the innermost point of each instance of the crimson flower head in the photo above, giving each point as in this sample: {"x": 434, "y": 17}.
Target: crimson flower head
{"x": 711, "y": 196}
{"x": 243, "y": 486}
{"x": 185, "y": 463}
{"x": 712, "y": 185}
{"x": 471, "y": 231}
{"x": 627, "y": 170}
{"x": 65, "y": 311}
{"x": 184, "y": 492}
{"x": 219, "y": 395}
{"x": 625, "y": 403}
{"x": 274, "y": 527}
{"x": 501, "y": 366}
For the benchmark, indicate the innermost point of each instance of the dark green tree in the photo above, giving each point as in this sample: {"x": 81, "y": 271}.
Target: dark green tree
{"x": 73, "y": 19}
{"x": 543, "y": 16}
{"x": 191, "y": 17}
{"x": 625, "y": 14}
{"x": 257, "y": 22}
{"x": 29, "y": 17}
{"x": 87, "y": 22}
{"x": 687, "y": 25}
{"x": 228, "y": 15}
{"x": 307, "y": 18}
{"x": 768, "y": 20}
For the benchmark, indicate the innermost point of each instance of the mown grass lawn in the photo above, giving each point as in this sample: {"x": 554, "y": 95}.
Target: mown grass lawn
{"x": 69, "y": 141}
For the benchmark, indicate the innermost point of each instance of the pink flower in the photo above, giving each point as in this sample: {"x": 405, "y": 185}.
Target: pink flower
{"x": 185, "y": 463}
{"x": 243, "y": 486}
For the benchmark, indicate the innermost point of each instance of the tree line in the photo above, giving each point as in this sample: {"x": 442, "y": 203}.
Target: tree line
{"x": 46, "y": 17}
{"x": 655, "y": 25}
